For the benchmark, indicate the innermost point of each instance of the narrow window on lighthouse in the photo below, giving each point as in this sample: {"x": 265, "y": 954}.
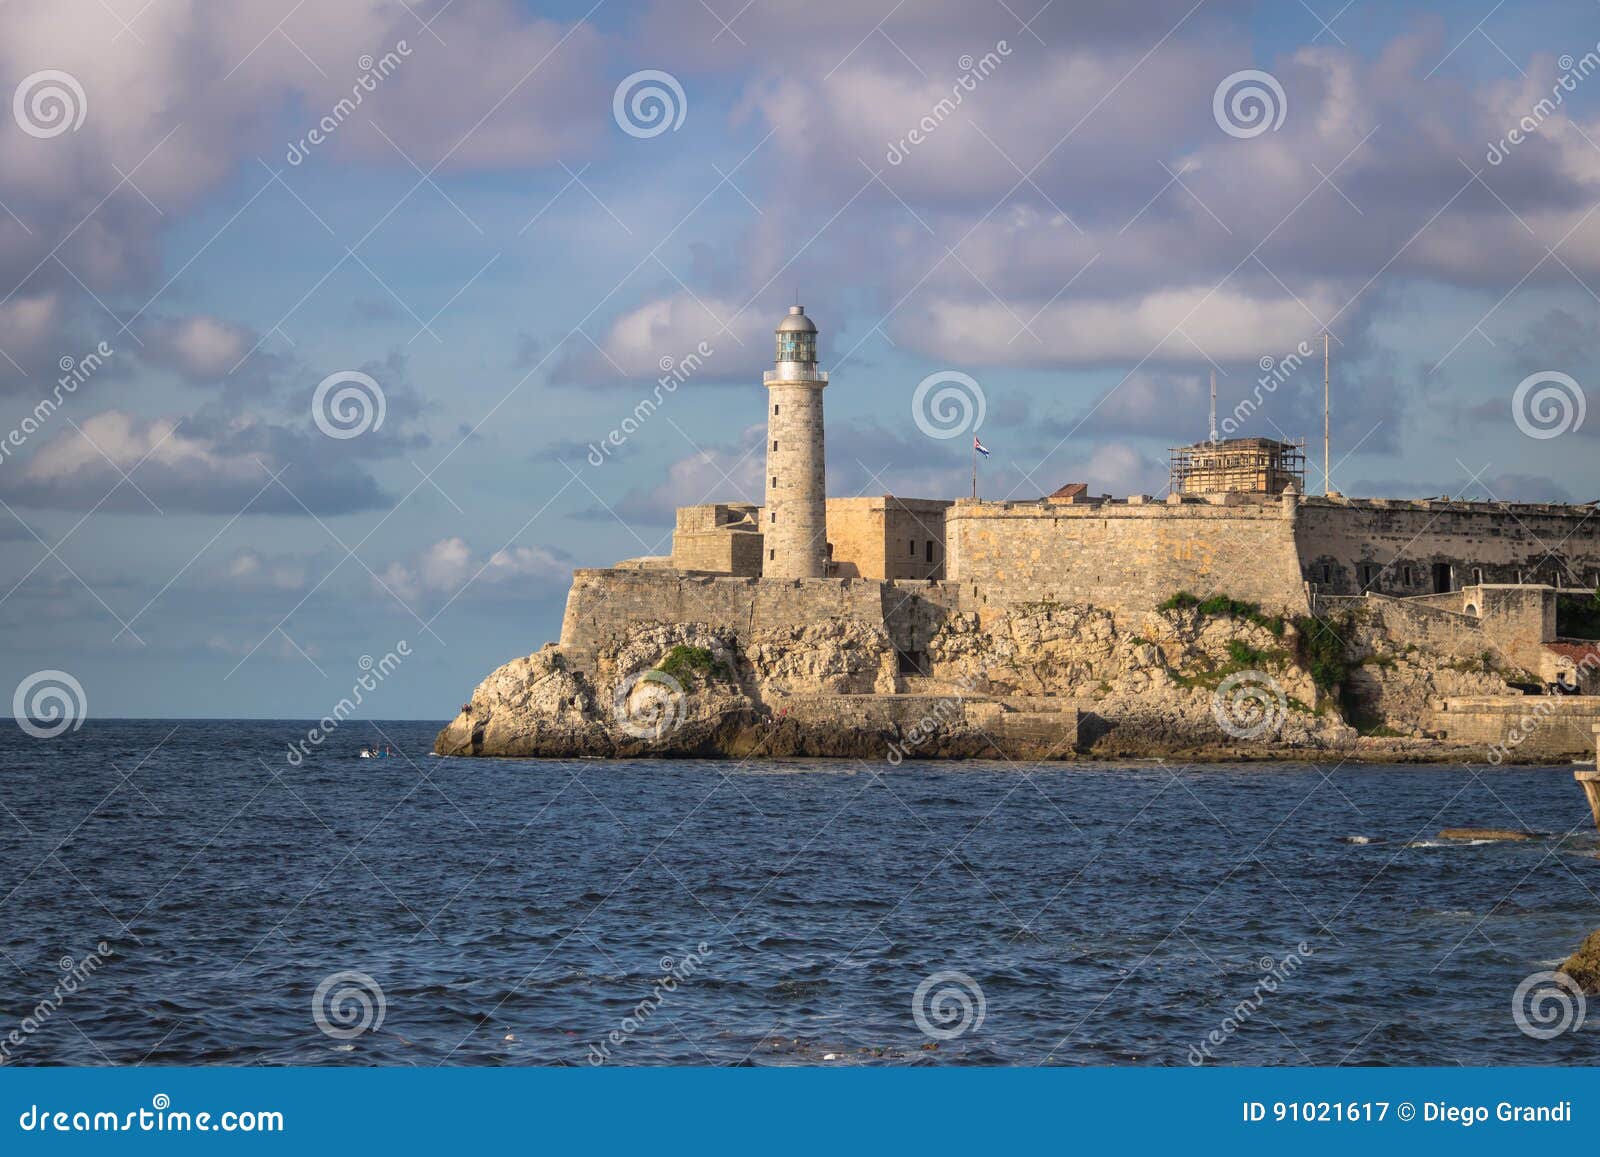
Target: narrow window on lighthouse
{"x": 774, "y": 407}
{"x": 774, "y": 443}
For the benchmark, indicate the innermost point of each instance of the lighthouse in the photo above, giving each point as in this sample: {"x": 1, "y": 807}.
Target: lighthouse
{"x": 795, "y": 526}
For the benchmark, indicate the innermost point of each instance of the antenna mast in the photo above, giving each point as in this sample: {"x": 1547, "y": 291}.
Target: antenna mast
{"x": 1213, "y": 406}
{"x": 1325, "y": 408}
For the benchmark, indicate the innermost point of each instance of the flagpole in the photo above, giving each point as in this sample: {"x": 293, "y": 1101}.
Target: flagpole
{"x": 974, "y": 470}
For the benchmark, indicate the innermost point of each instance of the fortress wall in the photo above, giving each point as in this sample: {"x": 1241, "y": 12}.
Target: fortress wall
{"x": 720, "y": 551}
{"x": 914, "y": 610}
{"x": 1517, "y": 620}
{"x": 1533, "y": 727}
{"x": 603, "y": 602}
{"x": 1480, "y": 541}
{"x": 873, "y": 537}
{"x": 1510, "y": 623}
{"x": 855, "y": 531}
{"x": 1123, "y": 557}
{"x": 909, "y": 525}
{"x": 1437, "y": 629}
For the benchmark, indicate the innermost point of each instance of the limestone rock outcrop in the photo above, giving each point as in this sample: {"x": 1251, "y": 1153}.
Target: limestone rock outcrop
{"x": 1041, "y": 680}
{"x": 1584, "y": 964}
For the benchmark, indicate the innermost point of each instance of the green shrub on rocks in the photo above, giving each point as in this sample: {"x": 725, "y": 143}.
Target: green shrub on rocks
{"x": 1319, "y": 643}
{"x": 684, "y": 662}
{"x": 1219, "y": 606}
{"x": 1322, "y": 651}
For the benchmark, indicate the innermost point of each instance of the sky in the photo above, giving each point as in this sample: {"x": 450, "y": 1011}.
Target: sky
{"x": 325, "y": 325}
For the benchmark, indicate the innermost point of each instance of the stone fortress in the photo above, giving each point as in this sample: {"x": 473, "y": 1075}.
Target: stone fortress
{"x": 1066, "y": 624}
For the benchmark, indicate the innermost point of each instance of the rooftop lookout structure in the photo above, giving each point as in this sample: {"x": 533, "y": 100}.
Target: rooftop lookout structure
{"x": 1238, "y": 466}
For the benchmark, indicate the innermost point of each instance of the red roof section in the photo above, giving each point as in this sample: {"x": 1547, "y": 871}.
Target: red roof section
{"x": 1578, "y": 650}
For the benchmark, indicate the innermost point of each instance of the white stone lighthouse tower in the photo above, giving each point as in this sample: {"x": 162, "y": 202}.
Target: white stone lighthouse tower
{"x": 795, "y": 525}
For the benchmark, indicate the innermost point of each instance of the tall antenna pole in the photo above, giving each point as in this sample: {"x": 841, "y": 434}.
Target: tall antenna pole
{"x": 1325, "y": 458}
{"x": 1213, "y": 406}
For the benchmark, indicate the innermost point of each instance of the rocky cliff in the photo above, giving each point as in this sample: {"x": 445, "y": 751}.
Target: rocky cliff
{"x": 1198, "y": 680}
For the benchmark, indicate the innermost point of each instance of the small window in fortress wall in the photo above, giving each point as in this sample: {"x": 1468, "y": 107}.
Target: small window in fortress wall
{"x": 1477, "y": 576}
{"x": 913, "y": 548}
{"x": 774, "y": 443}
{"x": 771, "y": 555}
{"x": 774, "y": 407}
{"x": 774, "y": 516}
{"x": 930, "y": 550}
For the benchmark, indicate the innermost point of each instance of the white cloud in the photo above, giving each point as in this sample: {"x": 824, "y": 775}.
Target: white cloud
{"x": 1166, "y": 324}
{"x": 251, "y": 570}
{"x": 675, "y": 327}
{"x": 199, "y": 347}
{"x": 448, "y": 568}
{"x": 119, "y": 461}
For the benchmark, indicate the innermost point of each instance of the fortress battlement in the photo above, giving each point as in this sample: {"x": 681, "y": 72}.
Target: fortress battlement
{"x": 1030, "y": 628}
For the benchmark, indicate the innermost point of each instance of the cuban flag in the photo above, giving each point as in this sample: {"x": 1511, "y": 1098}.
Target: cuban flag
{"x": 980, "y": 448}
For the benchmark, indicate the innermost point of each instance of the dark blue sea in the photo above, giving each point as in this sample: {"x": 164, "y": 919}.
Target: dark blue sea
{"x": 180, "y": 893}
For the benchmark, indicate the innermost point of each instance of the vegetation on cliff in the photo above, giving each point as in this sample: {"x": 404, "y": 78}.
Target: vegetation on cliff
{"x": 1222, "y": 605}
{"x": 1578, "y": 616}
{"x": 1319, "y": 643}
{"x": 684, "y": 662}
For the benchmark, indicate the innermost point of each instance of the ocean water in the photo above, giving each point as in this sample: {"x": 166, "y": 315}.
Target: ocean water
{"x": 194, "y": 890}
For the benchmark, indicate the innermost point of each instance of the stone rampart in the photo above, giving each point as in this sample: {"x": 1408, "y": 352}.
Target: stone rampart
{"x": 1125, "y": 557}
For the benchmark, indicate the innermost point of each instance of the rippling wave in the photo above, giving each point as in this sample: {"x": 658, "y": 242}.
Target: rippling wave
{"x": 419, "y": 911}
